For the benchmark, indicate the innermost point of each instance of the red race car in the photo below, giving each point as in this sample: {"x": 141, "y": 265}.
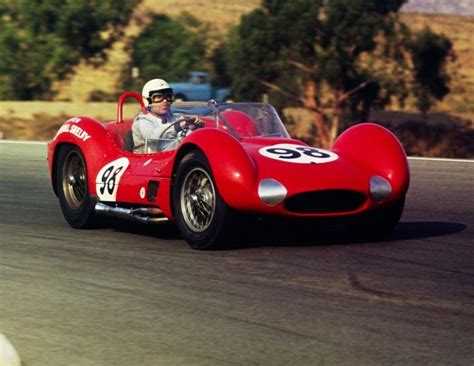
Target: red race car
{"x": 242, "y": 161}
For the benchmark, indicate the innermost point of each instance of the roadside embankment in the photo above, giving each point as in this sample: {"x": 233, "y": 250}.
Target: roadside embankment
{"x": 435, "y": 135}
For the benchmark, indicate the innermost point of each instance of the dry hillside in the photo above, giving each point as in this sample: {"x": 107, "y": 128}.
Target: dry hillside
{"x": 218, "y": 14}
{"x": 461, "y": 32}
{"x": 447, "y": 132}
{"x": 221, "y": 16}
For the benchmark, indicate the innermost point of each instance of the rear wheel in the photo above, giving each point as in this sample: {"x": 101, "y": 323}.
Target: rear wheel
{"x": 377, "y": 224}
{"x": 201, "y": 214}
{"x": 73, "y": 189}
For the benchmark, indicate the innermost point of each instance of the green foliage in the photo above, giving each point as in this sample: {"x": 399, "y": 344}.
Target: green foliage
{"x": 219, "y": 74}
{"x": 429, "y": 52}
{"x": 324, "y": 38}
{"x": 344, "y": 46}
{"x": 351, "y": 30}
{"x": 266, "y": 39}
{"x": 42, "y": 40}
{"x": 167, "y": 49}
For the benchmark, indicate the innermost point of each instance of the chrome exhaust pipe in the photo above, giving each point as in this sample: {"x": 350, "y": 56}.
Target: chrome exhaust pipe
{"x": 142, "y": 215}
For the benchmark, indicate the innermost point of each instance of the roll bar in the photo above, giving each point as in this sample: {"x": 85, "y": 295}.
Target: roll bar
{"x": 125, "y": 95}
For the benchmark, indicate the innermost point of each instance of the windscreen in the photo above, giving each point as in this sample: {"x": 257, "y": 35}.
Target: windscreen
{"x": 242, "y": 120}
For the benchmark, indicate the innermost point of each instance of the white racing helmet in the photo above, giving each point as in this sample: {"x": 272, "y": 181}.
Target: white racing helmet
{"x": 154, "y": 85}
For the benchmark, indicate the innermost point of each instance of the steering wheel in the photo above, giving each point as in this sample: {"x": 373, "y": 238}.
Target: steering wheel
{"x": 187, "y": 118}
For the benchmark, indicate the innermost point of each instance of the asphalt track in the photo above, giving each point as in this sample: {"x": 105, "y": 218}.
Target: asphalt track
{"x": 132, "y": 295}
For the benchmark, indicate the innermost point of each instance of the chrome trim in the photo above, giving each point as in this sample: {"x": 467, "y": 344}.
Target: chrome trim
{"x": 143, "y": 215}
{"x": 213, "y": 104}
{"x": 380, "y": 188}
{"x": 198, "y": 200}
{"x": 271, "y": 191}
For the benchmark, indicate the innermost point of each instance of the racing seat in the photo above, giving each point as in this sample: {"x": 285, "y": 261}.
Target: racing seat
{"x": 128, "y": 144}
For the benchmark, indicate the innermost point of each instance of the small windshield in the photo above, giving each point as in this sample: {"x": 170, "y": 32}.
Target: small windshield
{"x": 242, "y": 120}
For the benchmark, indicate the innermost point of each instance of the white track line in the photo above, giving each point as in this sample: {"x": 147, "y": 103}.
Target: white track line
{"x": 441, "y": 159}
{"x": 23, "y": 142}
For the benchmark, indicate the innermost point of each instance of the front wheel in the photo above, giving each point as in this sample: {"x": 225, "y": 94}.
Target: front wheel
{"x": 201, "y": 214}
{"x": 73, "y": 189}
{"x": 377, "y": 224}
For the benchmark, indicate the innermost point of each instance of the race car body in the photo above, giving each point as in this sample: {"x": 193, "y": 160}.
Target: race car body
{"x": 242, "y": 160}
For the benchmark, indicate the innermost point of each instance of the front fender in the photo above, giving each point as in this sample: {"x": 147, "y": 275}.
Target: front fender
{"x": 376, "y": 148}
{"x": 234, "y": 171}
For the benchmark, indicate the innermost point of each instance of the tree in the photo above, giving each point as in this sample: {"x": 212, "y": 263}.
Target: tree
{"x": 168, "y": 49}
{"x": 429, "y": 53}
{"x": 331, "y": 57}
{"x": 219, "y": 72}
{"x": 42, "y": 41}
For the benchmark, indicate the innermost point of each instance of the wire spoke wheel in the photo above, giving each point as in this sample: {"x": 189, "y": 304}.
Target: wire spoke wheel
{"x": 73, "y": 191}
{"x": 198, "y": 200}
{"x": 202, "y": 216}
{"x": 74, "y": 180}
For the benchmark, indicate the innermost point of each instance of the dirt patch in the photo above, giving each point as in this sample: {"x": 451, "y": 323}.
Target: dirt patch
{"x": 39, "y": 121}
{"x": 437, "y": 135}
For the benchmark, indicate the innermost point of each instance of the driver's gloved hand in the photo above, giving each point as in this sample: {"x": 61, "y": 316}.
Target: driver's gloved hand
{"x": 199, "y": 122}
{"x": 194, "y": 122}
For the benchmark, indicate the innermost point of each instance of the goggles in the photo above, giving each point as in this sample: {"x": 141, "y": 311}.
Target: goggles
{"x": 159, "y": 97}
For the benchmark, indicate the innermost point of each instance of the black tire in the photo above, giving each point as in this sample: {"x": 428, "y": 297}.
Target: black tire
{"x": 378, "y": 224}
{"x": 202, "y": 216}
{"x": 73, "y": 189}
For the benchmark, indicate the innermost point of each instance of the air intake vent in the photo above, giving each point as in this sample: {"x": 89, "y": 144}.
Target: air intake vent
{"x": 327, "y": 201}
{"x": 152, "y": 190}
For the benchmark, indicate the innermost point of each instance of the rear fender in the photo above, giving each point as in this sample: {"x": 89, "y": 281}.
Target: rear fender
{"x": 376, "y": 148}
{"x": 91, "y": 137}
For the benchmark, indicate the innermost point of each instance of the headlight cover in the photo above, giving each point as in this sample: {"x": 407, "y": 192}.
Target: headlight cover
{"x": 380, "y": 188}
{"x": 271, "y": 191}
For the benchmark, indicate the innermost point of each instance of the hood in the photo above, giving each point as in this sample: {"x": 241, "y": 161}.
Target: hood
{"x": 302, "y": 168}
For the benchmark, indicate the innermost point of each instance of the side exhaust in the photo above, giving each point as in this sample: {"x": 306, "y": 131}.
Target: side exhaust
{"x": 150, "y": 215}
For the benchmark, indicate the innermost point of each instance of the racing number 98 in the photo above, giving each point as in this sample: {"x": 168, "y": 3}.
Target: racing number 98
{"x": 108, "y": 179}
{"x": 285, "y": 153}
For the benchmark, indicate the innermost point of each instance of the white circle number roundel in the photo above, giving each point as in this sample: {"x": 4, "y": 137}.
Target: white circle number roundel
{"x": 108, "y": 179}
{"x": 299, "y": 154}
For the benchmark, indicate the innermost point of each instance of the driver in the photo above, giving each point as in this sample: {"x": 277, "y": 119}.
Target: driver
{"x": 158, "y": 94}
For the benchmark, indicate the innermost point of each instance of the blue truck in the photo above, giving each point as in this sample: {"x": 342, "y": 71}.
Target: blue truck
{"x": 199, "y": 88}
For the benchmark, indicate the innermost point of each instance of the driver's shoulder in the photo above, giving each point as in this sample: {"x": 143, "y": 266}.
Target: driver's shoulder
{"x": 146, "y": 117}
